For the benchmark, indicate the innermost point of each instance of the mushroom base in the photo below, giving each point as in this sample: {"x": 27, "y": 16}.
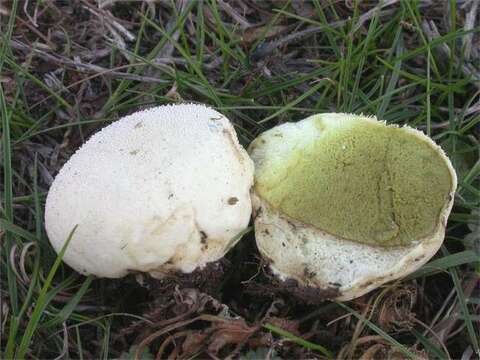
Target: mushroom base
{"x": 317, "y": 260}
{"x": 290, "y": 289}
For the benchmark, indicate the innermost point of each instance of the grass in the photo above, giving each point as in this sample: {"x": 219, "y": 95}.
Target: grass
{"x": 261, "y": 64}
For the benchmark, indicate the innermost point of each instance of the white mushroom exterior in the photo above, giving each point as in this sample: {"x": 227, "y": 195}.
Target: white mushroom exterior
{"x": 164, "y": 189}
{"x": 317, "y": 258}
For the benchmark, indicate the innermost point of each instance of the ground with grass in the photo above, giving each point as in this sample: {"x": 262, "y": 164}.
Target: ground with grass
{"x": 70, "y": 68}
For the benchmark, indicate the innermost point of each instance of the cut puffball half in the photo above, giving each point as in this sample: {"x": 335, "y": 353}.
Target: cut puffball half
{"x": 162, "y": 190}
{"x": 344, "y": 203}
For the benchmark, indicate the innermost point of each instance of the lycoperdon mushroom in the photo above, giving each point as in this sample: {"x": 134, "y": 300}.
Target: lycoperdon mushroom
{"x": 345, "y": 203}
{"x": 162, "y": 190}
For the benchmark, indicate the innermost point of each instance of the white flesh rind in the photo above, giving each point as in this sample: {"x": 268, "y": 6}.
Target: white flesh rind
{"x": 315, "y": 258}
{"x": 146, "y": 189}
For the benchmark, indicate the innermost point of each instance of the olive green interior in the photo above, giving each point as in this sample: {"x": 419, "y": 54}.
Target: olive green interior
{"x": 364, "y": 181}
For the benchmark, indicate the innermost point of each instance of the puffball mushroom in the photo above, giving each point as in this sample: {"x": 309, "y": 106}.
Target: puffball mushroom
{"x": 345, "y": 203}
{"x": 161, "y": 190}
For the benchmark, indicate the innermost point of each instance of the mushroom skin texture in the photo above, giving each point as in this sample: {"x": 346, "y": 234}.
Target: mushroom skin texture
{"x": 345, "y": 203}
{"x": 162, "y": 190}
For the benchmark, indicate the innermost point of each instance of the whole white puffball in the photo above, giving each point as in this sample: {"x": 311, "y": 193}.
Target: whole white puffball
{"x": 164, "y": 189}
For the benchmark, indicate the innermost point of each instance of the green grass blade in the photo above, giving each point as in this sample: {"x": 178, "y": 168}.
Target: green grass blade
{"x": 67, "y": 310}
{"x": 39, "y": 83}
{"x": 298, "y": 340}
{"x": 428, "y": 95}
{"x": 7, "y": 33}
{"x": 444, "y": 263}
{"x": 17, "y": 230}
{"x": 8, "y": 200}
{"x": 432, "y": 349}
{"x": 380, "y": 332}
{"x": 467, "y": 317}
{"x": 41, "y": 302}
{"x": 298, "y": 100}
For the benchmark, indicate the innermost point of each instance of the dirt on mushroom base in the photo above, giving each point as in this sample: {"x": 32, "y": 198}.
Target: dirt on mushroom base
{"x": 201, "y": 316}
{"x": 208, "y": 279}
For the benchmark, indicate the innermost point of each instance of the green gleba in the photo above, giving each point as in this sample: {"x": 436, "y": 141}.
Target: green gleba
{"x": 356, "y": 178}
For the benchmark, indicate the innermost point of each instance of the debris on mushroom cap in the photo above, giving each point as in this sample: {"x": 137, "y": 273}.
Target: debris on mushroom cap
{"x": 160, "y": 190}
{"x": 346, "y": 202}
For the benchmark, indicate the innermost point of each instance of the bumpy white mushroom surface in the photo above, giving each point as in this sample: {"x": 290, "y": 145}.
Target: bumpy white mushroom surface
{"x": 160, "y": 190}
{"x": 345, "y": 203}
